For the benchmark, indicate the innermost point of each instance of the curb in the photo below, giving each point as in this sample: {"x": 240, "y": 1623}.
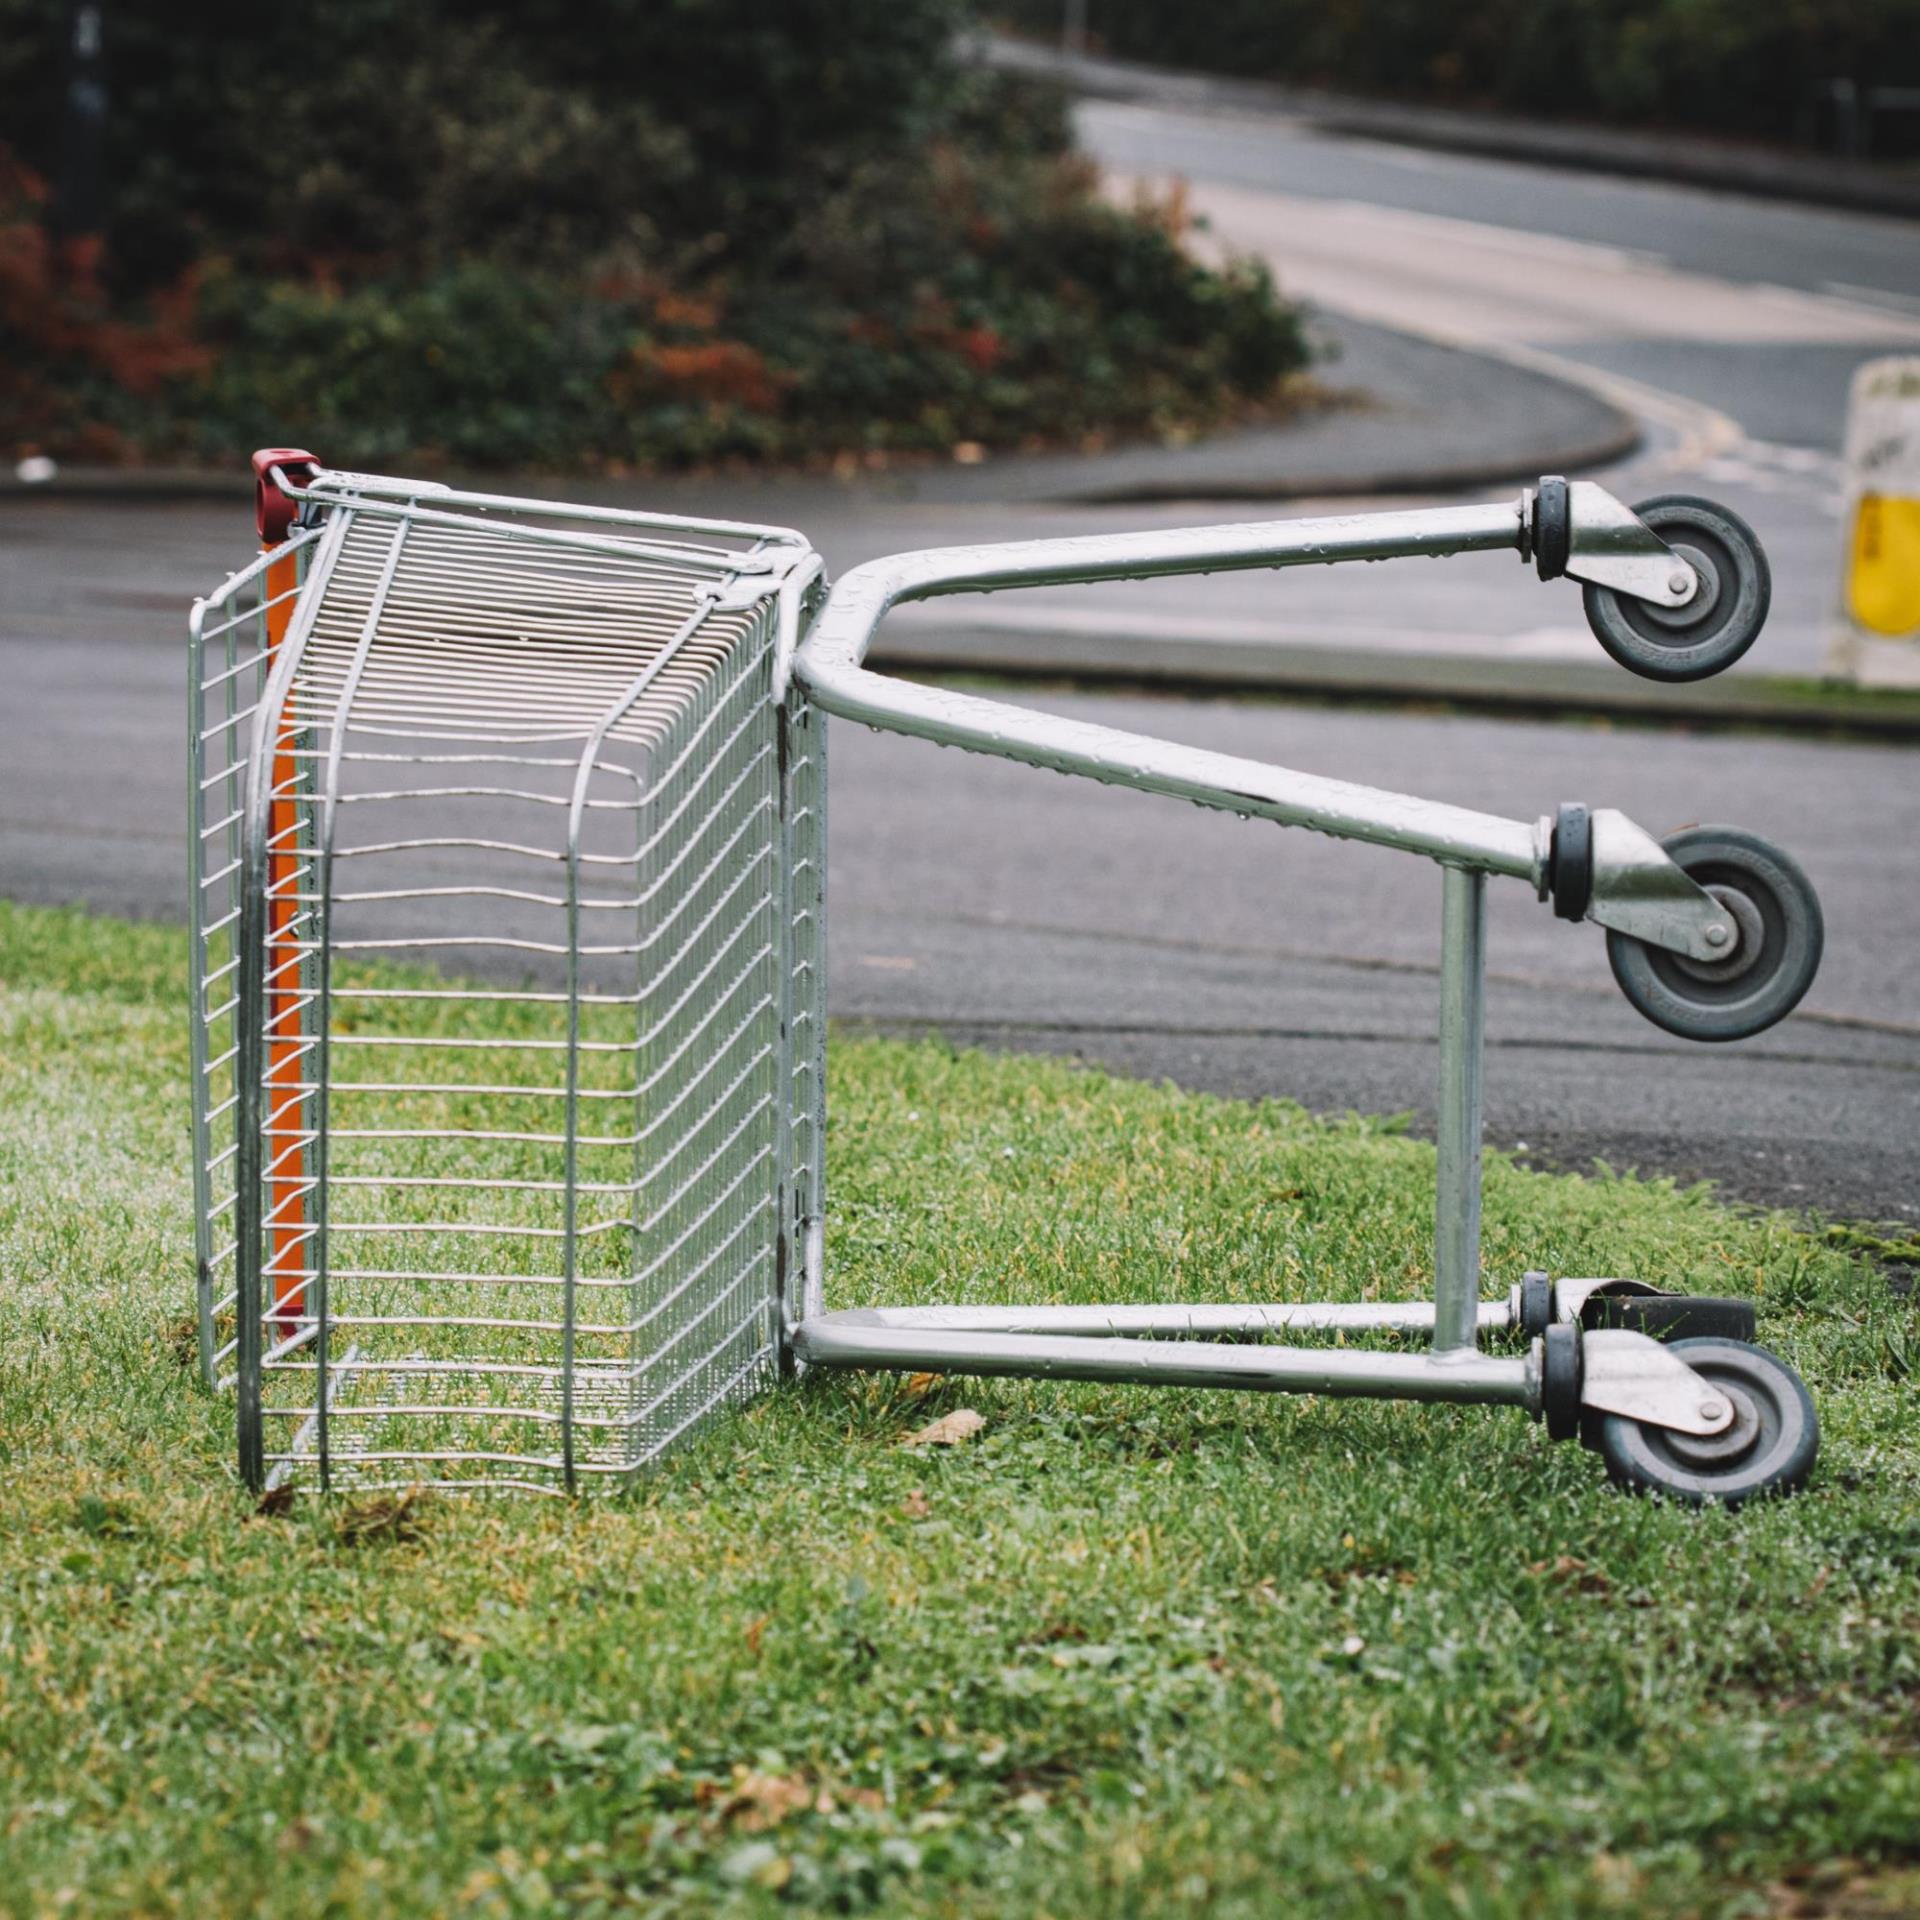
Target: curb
{"x": 1557, "y": 690}
{"x": 1248, "y": 484}
{"x": 1765, "y": 172}
{"x": 1578, "y": 457}
{"x": 1437, "y": 417}
{"x": 133, "y": 483}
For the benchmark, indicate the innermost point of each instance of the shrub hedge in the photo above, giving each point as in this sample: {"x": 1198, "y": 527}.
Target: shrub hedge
{"x": 636, "y": 231}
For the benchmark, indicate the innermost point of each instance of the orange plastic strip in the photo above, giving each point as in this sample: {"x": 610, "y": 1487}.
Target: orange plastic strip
{"x": 286, "y": 1198}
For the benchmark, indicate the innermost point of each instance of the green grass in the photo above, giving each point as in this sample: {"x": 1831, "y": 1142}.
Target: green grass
{"x": 1121, "y": 1653}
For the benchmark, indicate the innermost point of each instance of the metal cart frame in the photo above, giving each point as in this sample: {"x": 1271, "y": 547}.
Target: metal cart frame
{"x": 1629, "y": 885}
{"x": 267, "y": 798}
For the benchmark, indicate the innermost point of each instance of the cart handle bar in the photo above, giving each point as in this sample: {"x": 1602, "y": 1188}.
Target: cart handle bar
{"x": 1633, "y": 886}
{"x": 829, "y": 666}
{"x": 287, "y": 479}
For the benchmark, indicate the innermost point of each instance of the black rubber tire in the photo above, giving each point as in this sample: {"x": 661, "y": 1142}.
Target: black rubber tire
{"x": 1724, "y": 617}
{"x": 1773, "y": 963}
{"x": 1769, "y": 1450}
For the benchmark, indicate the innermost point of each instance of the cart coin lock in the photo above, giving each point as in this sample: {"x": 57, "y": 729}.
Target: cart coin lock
{"x": 508, "y": 897}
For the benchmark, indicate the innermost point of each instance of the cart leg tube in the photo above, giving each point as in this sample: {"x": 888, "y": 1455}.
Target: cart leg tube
{"x": 1463, "y": 986}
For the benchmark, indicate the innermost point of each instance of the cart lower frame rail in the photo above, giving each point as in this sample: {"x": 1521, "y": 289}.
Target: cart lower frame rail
{"x": 1604, "y": 1371}
{"x": 560, "y": 1297}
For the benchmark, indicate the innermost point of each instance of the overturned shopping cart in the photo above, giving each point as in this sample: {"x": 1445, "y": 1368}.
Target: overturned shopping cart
{"x": 509, "y": 1023}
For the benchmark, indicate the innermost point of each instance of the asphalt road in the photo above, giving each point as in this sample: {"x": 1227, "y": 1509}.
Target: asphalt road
{"x": 996, "y": 903}
{"x": 1007, "y": 906}
{"x": 1730, "y": 325}
{"x": 999, "y": 904}
{"x": 1530, "y": 247}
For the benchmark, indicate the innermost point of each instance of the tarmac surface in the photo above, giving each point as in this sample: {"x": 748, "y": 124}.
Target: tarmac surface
{"x": 995, "y": 903}
{"x": 1002, "y": 905}
{"x": 1549, "y": 150}
{"x": 1005, "y": 906}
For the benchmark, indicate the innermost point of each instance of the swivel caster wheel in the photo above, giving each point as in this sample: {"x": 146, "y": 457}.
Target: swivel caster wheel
{"x": 1720, "y": 622}
{"x": 1768, "y": 1449}
{"x": 1778, "y": 935}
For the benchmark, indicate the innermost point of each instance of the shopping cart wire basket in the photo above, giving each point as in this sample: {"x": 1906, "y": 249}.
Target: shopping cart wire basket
{"x": 508, "y": 926}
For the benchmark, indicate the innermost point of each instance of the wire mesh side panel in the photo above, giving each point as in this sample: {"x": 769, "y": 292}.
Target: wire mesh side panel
{"x": 229, "y": 642}
{"x": 706, "y": 1167}
{"x": 541, "y": 945}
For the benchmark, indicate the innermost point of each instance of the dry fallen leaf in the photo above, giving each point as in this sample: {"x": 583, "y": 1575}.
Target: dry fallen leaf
{"x": 921, "y": 1384}
{"x": 1569, "y": 1570}
{"x": 948, "y": 1431}
{"x": 762, "y": 1800}
{"x": 915, "y": 1506}
{"x": 398, "y": 1517}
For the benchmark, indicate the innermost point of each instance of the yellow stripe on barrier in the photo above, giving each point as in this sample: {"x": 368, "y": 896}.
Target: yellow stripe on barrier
{"x": 1883, "y": 564}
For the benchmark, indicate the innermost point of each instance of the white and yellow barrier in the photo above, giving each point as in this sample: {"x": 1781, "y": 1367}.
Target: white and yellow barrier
{"x": 1876, "y": 640}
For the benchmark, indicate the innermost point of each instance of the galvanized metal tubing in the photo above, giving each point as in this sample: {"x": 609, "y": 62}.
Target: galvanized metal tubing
{"x": 1456, "y": 1230}
{"x": 829, "y": 666}
{"x": 1155, "y": 1345}
{"x": 858, "y": 1340}
{"x": 1130, "y": 1343}
{"x": 1212, "y": 1320}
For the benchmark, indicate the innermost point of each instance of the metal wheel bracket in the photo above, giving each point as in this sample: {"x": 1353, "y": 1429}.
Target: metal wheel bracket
{"x": 1639, "y": 890}
{"x": 1636, "y": 1377}
{"x": 1611, "y": 546}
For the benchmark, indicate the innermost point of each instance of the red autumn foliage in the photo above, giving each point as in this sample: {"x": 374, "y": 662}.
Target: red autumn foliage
{"x": 54, "y": 314}
{"x": 686, "y": 310}
{"x": 981, "y": 347}
{"x": 718, "y": 372}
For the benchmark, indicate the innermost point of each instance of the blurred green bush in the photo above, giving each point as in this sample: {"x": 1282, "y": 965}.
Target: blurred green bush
{"x": 635, "y": 232}
{"x": 1747, "y": 67}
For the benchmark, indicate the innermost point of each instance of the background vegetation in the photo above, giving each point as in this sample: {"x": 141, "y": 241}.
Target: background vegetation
{"x": 627, "y": 232}
{"x": 1745, "y": 67}
{"x": 1124, "y": 1652}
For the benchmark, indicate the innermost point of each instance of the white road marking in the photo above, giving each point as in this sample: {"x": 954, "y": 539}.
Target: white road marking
{"x": 1482, "y": 284}
{"x": 1513, "y": 295}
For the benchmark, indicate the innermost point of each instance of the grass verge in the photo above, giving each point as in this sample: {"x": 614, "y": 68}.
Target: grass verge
{"x": 1119, "y": 1653}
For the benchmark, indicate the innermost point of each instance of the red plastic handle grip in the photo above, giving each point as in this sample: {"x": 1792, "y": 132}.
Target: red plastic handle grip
{"x": 273, "y": 512}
